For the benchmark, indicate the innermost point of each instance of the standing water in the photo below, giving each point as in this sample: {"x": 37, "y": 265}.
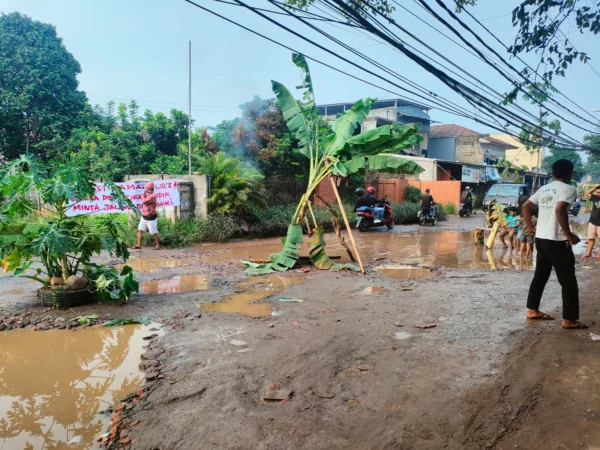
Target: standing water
{"x": 53, "y": 384}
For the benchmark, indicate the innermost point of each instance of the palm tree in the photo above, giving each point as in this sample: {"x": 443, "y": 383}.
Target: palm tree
{"x": 333, "y": 150}
{"x": 235, "y": 186}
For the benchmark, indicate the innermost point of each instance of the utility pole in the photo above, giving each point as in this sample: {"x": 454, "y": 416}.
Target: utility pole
{"x": 540, "y": 148}
{"x": 190, "y": 112}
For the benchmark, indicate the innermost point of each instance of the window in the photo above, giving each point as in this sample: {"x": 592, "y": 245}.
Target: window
{"x": 504, "y": 190}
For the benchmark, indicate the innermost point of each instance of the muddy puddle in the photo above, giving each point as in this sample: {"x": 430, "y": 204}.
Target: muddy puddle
{"x": 447, "y": 248}
{"x": 249, "y": 302}
{"x": 179, "y": 283}
{"x": 54, "y": 383}
{"x": 404, "y": 272}
{"x": 153, "y": 264}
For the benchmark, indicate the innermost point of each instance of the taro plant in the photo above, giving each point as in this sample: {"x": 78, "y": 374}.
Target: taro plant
{"x": 41, "y": 240}
{"x": 333, "y": 150}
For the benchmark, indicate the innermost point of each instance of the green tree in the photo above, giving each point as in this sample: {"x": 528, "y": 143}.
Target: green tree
{"x": 39, "y": 99}
{"x": 592, "y": 166}
{"x": 559, "y": 153}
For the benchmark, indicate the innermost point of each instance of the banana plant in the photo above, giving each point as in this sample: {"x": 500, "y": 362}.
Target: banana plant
{"x": 333, "y": 150}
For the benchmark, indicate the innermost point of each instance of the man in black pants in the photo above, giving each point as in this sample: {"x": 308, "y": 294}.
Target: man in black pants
{"x": 553, "y": 241}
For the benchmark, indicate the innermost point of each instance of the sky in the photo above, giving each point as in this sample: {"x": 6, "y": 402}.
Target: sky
{"x": 138, "y": 49}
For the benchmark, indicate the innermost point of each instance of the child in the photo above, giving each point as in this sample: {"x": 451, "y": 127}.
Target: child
{"x": 510, "y": 228}
{"x": 527, "y": 240}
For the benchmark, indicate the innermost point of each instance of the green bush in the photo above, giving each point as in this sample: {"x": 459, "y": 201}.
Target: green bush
{"x": 405, "y": 212}
{"x": 442, "y": 212}
{"x": 478, "y": 200}
{"x": 450, "y": 208}
{"x": 413, "y": 194}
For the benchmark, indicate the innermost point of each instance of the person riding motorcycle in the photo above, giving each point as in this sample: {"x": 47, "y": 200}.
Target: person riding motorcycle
{"x": 373, "y": 200}
{"x": 427, "y": 202}
{"x": 466, "y": 198}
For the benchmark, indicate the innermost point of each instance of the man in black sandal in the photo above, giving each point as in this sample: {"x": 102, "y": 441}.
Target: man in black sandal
{"x": 554, "y": 241}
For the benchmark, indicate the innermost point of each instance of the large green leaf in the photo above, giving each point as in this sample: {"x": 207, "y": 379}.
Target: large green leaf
{"x": 12, "y": 261}
{"x": 345, "y": 126}
{"x": 300, "y": 116}
{"x": 385, "y": 139}
{"x": 394, "y": 164}
{"x": 284, "y": 260}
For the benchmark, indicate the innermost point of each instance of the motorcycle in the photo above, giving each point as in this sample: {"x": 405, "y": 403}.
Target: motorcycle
{"x": 575, "y": 208}
{"x": 428, "y": 216}
{"x": 465, "y": 210}
{"x": 366, "y": 220}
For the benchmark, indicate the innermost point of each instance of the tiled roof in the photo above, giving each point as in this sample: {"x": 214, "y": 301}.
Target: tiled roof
{"x": 452, "y": 130}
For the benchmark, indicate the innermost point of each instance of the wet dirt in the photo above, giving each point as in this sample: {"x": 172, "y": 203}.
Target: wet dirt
{"x": 249, "y": 303}
{"x": 363, "y": 375}
{"x": 176, "y": 284}
{"x": 53, "y": 384}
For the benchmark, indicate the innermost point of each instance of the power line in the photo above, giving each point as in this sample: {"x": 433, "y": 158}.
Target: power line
{"x": 525, "y": 63}
{"x": 501, "y": 72}
{"x": 468, "y": 115}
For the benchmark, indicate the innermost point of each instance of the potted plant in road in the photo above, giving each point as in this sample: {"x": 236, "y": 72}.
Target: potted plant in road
{"x": 42, "y": 241}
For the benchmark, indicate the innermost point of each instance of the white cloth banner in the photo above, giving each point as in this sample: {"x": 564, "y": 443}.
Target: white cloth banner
{"x": 167, "y": 195}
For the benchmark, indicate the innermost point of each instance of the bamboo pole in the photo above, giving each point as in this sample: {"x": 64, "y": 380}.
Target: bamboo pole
{"x": 339, "y": 200}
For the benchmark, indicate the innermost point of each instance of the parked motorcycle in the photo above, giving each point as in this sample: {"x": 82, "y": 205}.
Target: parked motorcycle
{"x": 428, "y": 216}
{"x": 465, "y": 210}
{"x": 366, "y": 220}
{"x": 575, "y": 208}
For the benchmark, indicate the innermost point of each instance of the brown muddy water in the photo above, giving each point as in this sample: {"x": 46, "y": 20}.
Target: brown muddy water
{"x": 248, "y": 303}
{"x": 404, "y": 272}
{"x": 453, "y": 249}
{"x": 54, "y": 383}
{"x": 152, "y": 264}
{"x": 179, "y": 283}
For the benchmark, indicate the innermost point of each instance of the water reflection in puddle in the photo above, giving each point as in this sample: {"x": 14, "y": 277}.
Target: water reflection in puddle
{"x": 257, "y": 288}
{"x": 180, "y": 283}
{"x": 448, "y": 248}
{"x": 152, "y": 264}
{"x": 404, "y": 272}
{"x": 54, "y": 383}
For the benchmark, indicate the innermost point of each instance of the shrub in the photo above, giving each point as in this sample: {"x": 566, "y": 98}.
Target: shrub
{"x": 405, "y": 212}
{"x": 216, "y": 228}
{"x": 478, "y": 200}
{"x": 450, "y": 208}
{"x": 442, "y": 212}
{"x": 413, "y": 194}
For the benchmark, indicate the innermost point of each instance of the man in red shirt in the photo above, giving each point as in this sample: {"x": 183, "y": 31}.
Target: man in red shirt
{"x": 149, "y": 220}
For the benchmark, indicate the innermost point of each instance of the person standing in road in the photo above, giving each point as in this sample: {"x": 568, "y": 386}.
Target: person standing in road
{"x": 594, "y": 226}
{"x": 554, "y": 241}
{"x": 149, "y": 219}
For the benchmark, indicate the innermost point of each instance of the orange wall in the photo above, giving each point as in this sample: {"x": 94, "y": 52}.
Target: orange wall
{"x": 443, "y": 192}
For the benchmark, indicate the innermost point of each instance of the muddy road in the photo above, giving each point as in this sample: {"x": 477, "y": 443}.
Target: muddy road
{"x": 403, "y": 358}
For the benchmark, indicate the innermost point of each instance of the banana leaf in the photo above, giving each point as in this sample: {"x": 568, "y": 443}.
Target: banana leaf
{"x": 394, "y": 164}
{"x": 300, "y": 117}
{"x": 318, "y": 256}
{"x": 345, "y": 126}
{"x": 284, "y": 260}
{"x": 385, "y": 139}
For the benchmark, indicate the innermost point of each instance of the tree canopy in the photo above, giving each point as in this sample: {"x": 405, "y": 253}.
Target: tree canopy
{"x": 39, "y": 96}
{"x": 572, "y": 156}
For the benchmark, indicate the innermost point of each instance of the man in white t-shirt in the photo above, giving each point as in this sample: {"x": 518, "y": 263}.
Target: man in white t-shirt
{"x": 554, "y": 241}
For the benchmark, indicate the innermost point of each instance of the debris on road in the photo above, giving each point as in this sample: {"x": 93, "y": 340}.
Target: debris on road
{"x": 280, "y": 394}
{"x": 426, "y": 325}
{"x": 595, "y": 337}
{"x": 237, "y": 343}
{"x": 398, "y": 324}
{"x": 290, "y": 300}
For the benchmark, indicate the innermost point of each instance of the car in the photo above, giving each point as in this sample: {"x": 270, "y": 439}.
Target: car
{"x": 508, "y": 194}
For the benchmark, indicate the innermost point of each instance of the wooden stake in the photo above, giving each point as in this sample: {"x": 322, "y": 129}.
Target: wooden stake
{"x": 339, "y": 200}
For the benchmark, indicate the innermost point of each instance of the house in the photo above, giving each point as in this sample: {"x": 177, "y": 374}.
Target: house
{"x": 520, "y": 156}
{"x": 385, "y": 112}
{"x": 455, "y": 143}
